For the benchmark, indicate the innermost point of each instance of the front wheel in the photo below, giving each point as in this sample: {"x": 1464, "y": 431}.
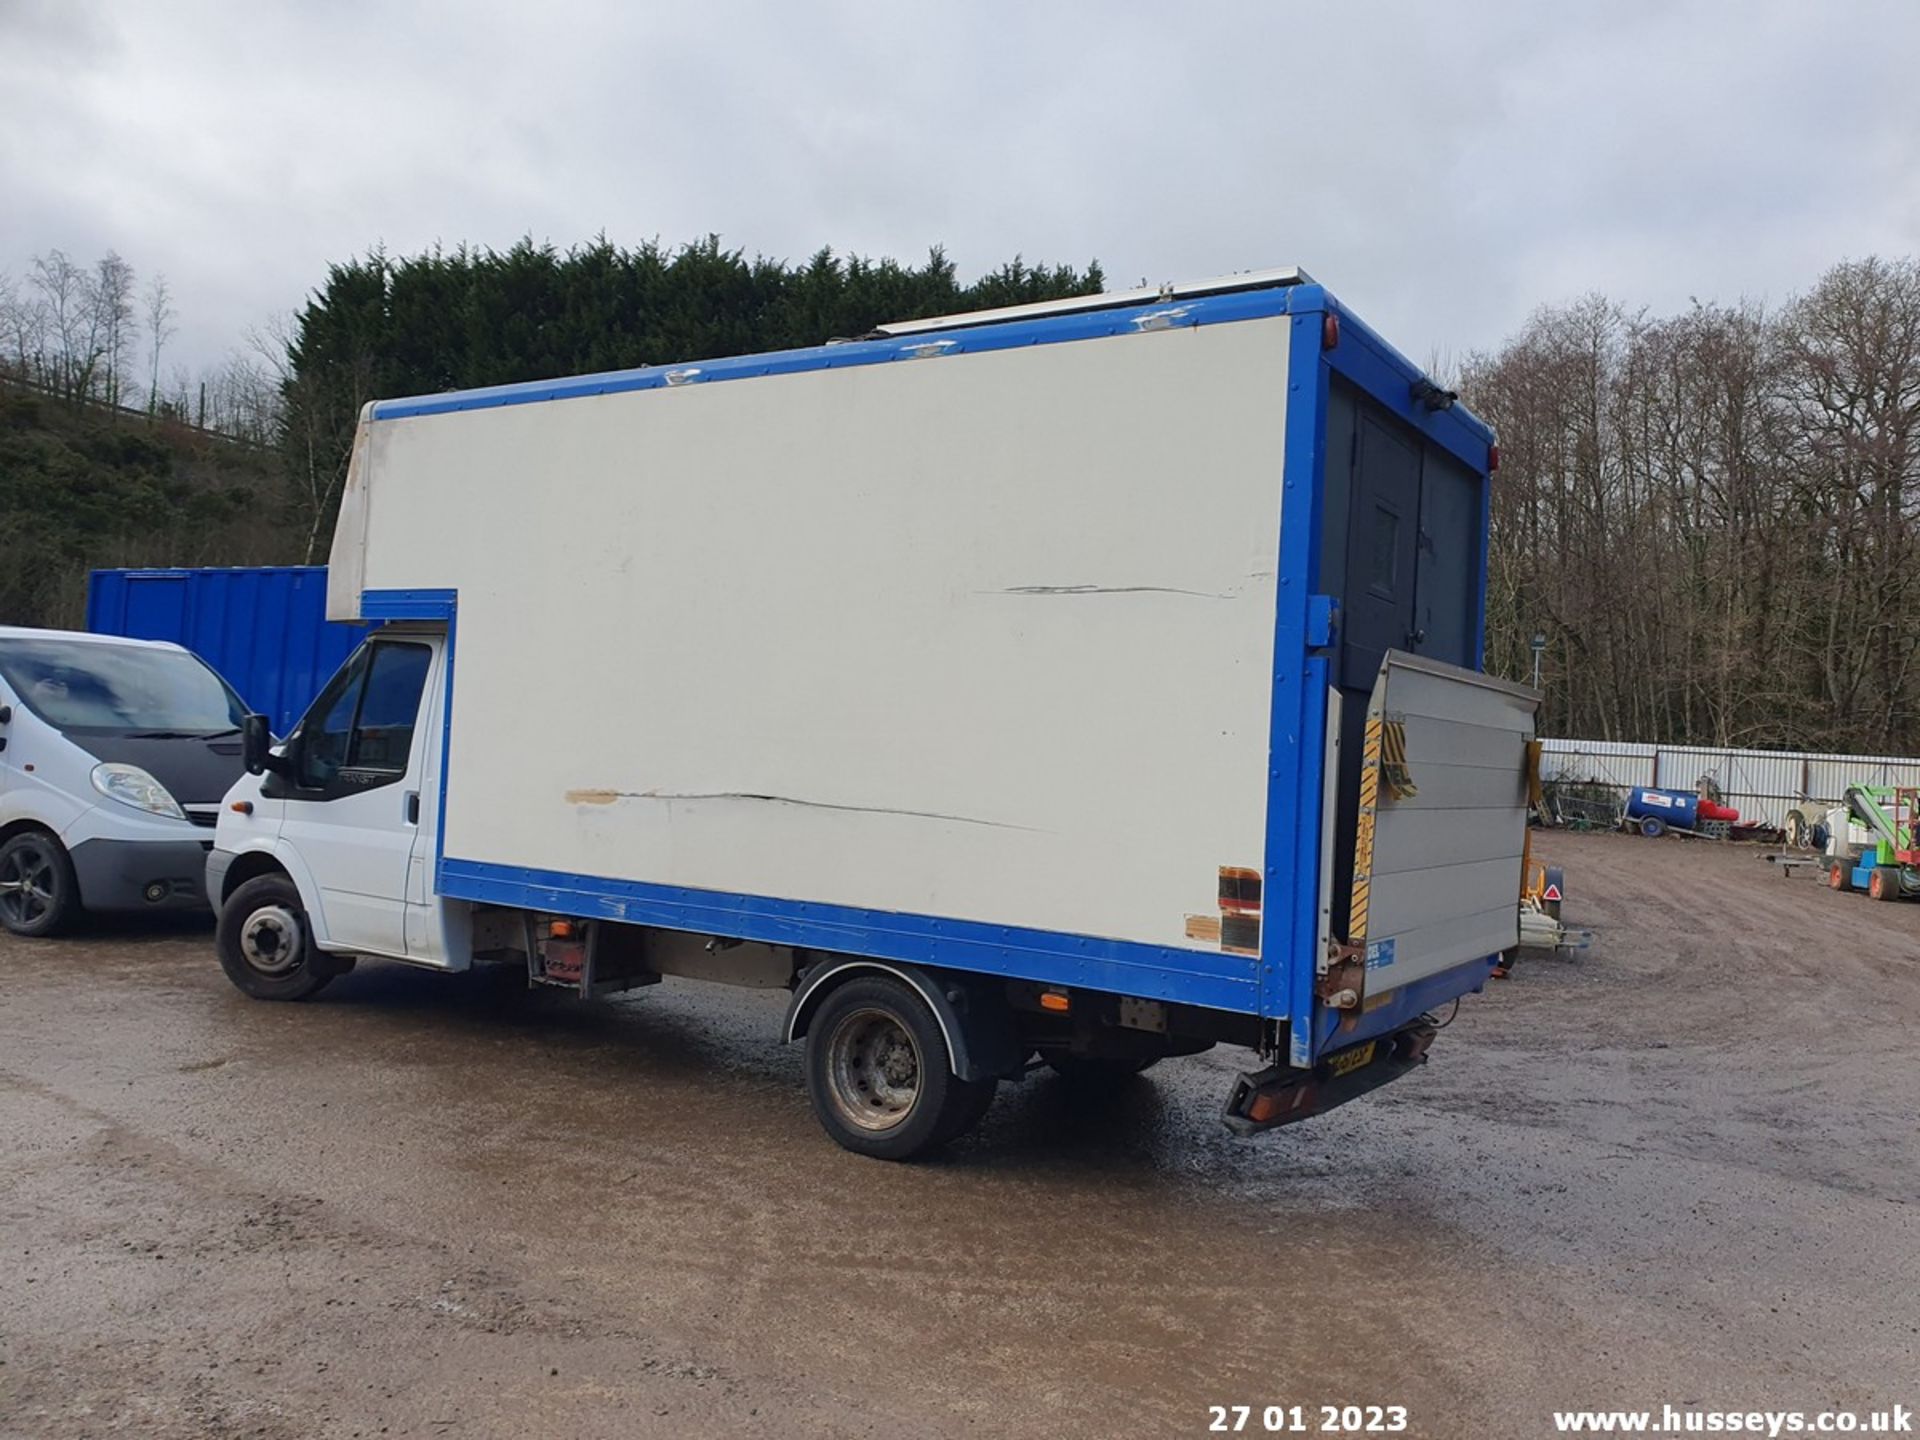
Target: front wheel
{"x": 1884, "y": 883}
{"x": 265, "y": 944}
{"x": 878, "y": 1073}
{"x": 38, "y": 893}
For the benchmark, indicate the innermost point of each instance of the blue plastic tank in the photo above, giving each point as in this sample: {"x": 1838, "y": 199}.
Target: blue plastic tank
{"x": 1673, "y": 809}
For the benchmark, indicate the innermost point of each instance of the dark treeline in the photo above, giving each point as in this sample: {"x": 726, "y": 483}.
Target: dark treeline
{"x": 442, "y": 321}
{"x": 1714, "y": 517}
{"x": 106, "y": 460}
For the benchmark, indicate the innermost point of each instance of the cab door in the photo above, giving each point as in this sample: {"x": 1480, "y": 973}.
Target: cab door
{"x": 352, "y": 795}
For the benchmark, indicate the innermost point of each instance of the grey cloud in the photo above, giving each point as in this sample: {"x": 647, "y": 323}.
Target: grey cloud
{"x": 1445, "y": 168}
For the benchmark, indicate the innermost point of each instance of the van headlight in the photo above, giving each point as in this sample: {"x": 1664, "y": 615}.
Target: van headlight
{"x": 131, "y": 785}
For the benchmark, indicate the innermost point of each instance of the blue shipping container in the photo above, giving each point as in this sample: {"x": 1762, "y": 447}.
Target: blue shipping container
{"x": 264, "y": 627}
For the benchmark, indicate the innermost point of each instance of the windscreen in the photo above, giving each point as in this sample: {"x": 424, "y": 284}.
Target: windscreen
{"x": 96, "y": 688}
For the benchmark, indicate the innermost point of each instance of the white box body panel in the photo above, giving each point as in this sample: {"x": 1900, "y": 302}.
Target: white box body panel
{"x": 986, "y": 636}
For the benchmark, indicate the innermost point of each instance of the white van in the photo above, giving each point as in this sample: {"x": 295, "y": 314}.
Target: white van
{"x": 114, "y": 755}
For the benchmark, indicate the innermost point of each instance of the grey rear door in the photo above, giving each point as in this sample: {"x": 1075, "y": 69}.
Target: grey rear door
{"x": 1382, "y": 536}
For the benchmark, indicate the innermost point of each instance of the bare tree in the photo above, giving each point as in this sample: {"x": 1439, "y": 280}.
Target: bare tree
{"x": 1715, "y": 516}
{"x": 12, "y": 355}
{"x": 158, "y": 308}
{"x": 113, "y": 322}
{"x": 65, "y": 291}
{"x": 316, "y": 409}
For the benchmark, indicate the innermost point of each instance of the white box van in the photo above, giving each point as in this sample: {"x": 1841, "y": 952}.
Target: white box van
{"x": 114, "y": 755}
{"x": 1077, "y": 685}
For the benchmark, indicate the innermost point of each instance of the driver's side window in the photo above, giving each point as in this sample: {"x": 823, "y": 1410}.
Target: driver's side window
{"x": 325, "y": 733}
{"x": 363, "y": 722}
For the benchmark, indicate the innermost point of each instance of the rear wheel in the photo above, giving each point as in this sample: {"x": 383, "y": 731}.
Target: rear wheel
{"x": 38, "y": 893}
{"x": 1884, "y": 883}
{"x": 878, "y": 1073}
{"x": 1836, "y": 875}
{"x": 265, "y": 944}
{"x": 970, "y": 1108}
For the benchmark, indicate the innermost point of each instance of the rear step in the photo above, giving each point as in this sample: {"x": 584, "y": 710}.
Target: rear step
{"x": 1282, "y": 1095}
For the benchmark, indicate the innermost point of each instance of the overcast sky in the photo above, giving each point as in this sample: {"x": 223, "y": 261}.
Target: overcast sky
{"x": 1443, "y": 167}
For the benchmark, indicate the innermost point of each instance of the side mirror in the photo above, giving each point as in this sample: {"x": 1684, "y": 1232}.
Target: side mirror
{"x": 256, "y": 746}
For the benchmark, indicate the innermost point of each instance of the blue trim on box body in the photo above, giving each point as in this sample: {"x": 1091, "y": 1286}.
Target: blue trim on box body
{"x": 426, "y": 605}
{"x": 1388, "y": 376}
{"x": 1361, "y": 355}
{"x": 1278, "y": 984}
{"x": 1192, "y": 977}
{"x": 407, "y": 604}
{"x": 1011, "y": 334}
{"x": 1295, "y": 762}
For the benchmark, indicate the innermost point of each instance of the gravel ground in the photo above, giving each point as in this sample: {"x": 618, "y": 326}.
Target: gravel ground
{"x": 1681, "y": 1168}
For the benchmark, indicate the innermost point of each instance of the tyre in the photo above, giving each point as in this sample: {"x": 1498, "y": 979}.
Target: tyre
{"x": 1884, "y": 883}
{"x": 38, "y": 894}
{"x": 265, "y": 944}
{"x": 1653, "y": 827}
{"x": 1836, "y": 875}
{"x": 1099, "y": 1072}
{"x": 878, "y": 1073}
{"x": 970, "y": 1108}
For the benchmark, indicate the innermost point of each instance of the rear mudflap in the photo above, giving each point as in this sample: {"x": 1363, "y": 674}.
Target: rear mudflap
{"x": 1284, "y": 1094}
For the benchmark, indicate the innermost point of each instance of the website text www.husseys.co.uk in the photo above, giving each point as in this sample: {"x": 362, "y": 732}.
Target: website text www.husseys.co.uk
{"x": 1771, "y": 1423}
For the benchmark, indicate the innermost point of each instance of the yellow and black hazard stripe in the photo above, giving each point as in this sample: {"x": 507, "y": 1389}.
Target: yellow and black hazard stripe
{"x": 1363, "y": 836}
{"x": 1393, "y": 761}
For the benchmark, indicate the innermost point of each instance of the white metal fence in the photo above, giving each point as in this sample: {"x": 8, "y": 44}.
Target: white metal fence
{"x": 1761, "y": 784}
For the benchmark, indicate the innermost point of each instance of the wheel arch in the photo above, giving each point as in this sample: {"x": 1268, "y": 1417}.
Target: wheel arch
{"x": 979, "y": 1040}
{"x": 250, "y": 865}
{"x": 266, "y": 858}
{"x": 25, "y": 823}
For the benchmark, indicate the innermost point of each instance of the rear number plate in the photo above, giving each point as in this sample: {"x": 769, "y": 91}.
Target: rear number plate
{"x": 1348, "y": 1061}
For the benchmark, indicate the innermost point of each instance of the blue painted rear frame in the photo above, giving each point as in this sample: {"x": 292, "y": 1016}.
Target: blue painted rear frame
{"x": 1278, "y": 984}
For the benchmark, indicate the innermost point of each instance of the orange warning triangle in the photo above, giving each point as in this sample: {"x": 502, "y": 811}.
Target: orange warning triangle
{"x": 1552, "y": 892}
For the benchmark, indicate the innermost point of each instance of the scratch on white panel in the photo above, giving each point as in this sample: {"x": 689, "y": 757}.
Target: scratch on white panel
{"x": 608, "y": 797}
{"x": 1109, "y": 590}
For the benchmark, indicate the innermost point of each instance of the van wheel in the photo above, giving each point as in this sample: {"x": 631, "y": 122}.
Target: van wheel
{"x": 38, "y": 894}
{"x": 878, "y": 1076}
{"x": 265, "y": 944}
